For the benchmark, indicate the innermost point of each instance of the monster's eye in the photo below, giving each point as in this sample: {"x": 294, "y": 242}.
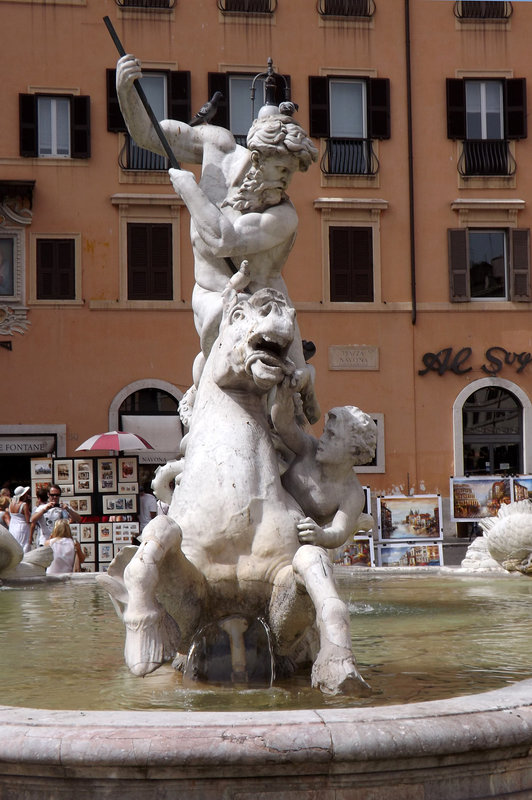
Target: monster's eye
{"x": 237, "y": 315}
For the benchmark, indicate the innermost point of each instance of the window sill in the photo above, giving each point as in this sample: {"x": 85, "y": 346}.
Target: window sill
{"x": 139, "y": 305}
{"x": 238, "y": 17}
{"x": 35, "y": 303}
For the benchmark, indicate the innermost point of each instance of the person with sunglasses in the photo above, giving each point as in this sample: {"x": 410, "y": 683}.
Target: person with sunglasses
{"x": 46, "y": 515}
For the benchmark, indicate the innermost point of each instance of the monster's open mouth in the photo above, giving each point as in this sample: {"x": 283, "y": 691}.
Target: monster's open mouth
{"x": 267, "y": 361}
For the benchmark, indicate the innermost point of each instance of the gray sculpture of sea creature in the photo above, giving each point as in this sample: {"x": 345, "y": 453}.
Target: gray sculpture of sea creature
{"x": 509, "y": 536}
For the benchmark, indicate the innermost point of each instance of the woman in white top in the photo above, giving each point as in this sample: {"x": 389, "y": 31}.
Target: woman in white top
{"x": 19, "y": 523}
{"x": 64, "y": 548}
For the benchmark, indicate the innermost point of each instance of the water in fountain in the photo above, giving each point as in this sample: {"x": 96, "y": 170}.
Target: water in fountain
{"x": 417, "y": 638}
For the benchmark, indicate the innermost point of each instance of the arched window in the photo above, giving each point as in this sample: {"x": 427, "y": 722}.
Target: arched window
{"x": 492, "y": 430}
{"x": 148, "y": 401}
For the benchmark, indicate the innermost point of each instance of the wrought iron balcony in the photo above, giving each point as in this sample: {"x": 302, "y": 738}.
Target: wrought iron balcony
{"x": 134, "y": 157}
{"x": 478, "y": 9}
{"x": 486, "y": 157}
{"x": 349, "y": 157}
{"x": 346, "y": 8}
{"x": 145, "y": 3}
{"x": 247, "y": 6}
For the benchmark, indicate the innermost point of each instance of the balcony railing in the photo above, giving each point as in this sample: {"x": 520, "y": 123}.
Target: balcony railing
{"x": 134, "y": 157}
{"x": 247, "y": 6}
{"x": 145, "y": 3}
{"x": 486, "y": 157}
{"x": 489, "y": 10}
{"x": 349, "y": 157}
{"x": 346, "y": 8}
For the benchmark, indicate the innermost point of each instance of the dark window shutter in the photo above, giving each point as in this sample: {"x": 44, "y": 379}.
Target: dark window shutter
{"x": 515, "y": 108}
{"x": 28, "y": 125}
{"x": 520, "y": 264}
{"x": 149, "y": 255}
{"x": 179, "y": 95}
{"x": 351, "y": 264}
{"x": 115, "y": 120}
{"x": 56, "y": 269}
{"x": 378, "y": 108}
{"x": 456, "y": 109}
{"x": 458, "y": 265}
{"x": 80, "y": 127}
{"x": 319, "y": 106}
{"x": 219, "y": 82}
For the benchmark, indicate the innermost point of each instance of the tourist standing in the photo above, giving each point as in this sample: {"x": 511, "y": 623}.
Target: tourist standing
{"x": 19, "y": 523}
{"x": 48, "y": 514}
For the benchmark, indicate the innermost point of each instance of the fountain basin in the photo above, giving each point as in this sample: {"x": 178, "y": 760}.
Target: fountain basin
{"x": 472, "y": 746}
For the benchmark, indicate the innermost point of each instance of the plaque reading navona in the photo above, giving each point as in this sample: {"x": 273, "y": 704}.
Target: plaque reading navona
{"x": 354, "y": 356}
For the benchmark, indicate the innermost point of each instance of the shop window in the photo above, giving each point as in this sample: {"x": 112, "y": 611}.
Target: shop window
{"x": 351, "y": 264}
{"x": 54, "y": 126}
{"x": 492, "y": 419}
{"x": 349, "y": 113}
{"x": 489, "y": 264}
{"x": 149, "y": 261}
{"x": 237, "y": 109}
{"x": 486, "y": 115}
{"x": 168, "y": 93}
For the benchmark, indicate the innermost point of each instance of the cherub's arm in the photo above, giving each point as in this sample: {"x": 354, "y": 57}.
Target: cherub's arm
{"x": 342, "y": 525}
{"x": 283, "y": 414}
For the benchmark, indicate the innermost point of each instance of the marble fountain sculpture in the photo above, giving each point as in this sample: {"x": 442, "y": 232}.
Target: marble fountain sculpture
{"x": 242, "y": 541}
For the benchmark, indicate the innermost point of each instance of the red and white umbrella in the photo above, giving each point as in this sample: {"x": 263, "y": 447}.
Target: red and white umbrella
{"x": 115, "y": 440}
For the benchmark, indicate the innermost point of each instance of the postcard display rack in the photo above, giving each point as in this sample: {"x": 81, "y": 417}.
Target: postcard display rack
{"x": 476, "y": 497}
{"x": 410, "y": 531}
{"x": 104, "y": 492}
{"x": 359, "y": 551}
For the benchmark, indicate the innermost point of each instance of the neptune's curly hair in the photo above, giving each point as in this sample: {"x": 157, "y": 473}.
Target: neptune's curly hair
{"x": 278, "y": 133}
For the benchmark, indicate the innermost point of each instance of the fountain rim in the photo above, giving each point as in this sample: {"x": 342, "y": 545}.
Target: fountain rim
{"x": 481, "y": 734}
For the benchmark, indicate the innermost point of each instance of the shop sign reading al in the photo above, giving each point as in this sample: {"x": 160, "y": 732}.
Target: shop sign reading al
{"x": 496, "y": 358}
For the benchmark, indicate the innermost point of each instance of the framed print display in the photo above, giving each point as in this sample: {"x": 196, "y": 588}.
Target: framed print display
{"x": 105, "y": 532}
{"x": 74, "y": 530}
{"x": 83, "y": 505}
{"x": 127, "y": 469}
{"x": 474, "y": 498}
{"x": 410, "y": 554}
{"x": 86, "y": 531}
{"x": 107, "y": 474}
{"x": 123, "y": 504}
{"x": 128, "y": 488}
{"x": 89, "y": 550}
{"x": 67, "y": 490}
{"x": 105, "y": 551}
{"x": 522, "y": 488}
{"x": 83, "y": 476}
{"x": 88, "y": 566}
{"x": 36, "y": 486}
{"x": 41, "y": 469}
{"x": 412, "y": 517}
{"x": 63, "y": 471}
{"x": 359, "y": 552}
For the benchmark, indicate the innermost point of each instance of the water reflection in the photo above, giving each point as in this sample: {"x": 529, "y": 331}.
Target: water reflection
{"x": 416, "y": 638}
